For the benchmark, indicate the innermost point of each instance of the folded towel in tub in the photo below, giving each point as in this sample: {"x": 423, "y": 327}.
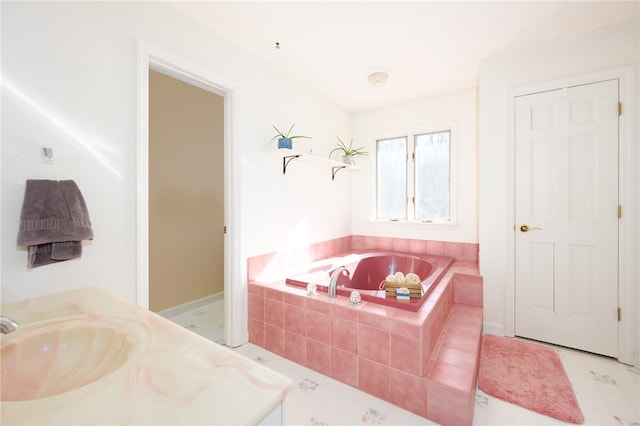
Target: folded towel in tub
{"x": 53, "y": 221}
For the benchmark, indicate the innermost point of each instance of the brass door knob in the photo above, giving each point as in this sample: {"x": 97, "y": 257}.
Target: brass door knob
{"x": 526, "y": 228}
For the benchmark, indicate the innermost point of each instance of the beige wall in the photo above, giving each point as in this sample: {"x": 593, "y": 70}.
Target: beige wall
{"x": 186, "y": 252}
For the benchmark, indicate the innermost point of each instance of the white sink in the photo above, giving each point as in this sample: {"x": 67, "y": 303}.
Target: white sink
{"x": 61, "y": 356}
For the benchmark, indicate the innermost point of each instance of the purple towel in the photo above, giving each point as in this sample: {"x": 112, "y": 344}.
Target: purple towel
{"x": 53, "y": 222}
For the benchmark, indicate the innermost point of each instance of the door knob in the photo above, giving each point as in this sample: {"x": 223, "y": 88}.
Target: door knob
{"x": 525, "y": 228}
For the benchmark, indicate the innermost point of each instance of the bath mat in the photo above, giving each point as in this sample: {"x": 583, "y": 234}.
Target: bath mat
{"x": 529, "y": 375}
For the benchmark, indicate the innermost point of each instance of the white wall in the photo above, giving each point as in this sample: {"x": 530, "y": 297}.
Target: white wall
{"x": 597, "y": 52}
{"x": 69, "y": 82}
{"x": 458, "y": 109}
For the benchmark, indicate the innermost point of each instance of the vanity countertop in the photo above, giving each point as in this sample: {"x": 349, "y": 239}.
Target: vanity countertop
{"x": 172, "y": 375}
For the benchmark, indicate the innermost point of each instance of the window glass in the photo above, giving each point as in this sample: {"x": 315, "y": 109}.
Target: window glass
{"x": 432, "y": 176}
{"x": 414, "y": 177}
{"x": 392, "y": 178}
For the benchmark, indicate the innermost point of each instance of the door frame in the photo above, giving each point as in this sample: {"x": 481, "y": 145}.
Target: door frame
{"x": 628, "y": 186}
{"x": 152, "y": 57}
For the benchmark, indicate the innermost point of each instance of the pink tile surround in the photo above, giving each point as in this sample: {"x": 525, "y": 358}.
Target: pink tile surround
{"x": 425, "y": 361}
{"x": 285, "y": 260}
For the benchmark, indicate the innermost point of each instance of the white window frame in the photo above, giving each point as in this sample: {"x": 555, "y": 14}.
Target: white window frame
{"x": 410, "y": 134}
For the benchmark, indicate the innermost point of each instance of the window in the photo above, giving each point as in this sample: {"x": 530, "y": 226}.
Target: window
{"x": 414, "y": 177}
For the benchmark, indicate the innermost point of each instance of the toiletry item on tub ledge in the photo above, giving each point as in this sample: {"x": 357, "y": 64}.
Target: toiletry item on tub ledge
{"x": 403, "y": 293}
{"x": 397, "y": 281}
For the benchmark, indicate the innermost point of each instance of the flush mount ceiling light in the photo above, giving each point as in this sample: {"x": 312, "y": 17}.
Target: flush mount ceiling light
{"x": 377, "y": 76}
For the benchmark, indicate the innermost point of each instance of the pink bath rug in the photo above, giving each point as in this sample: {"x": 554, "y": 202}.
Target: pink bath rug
{"x": 529, "y": 375}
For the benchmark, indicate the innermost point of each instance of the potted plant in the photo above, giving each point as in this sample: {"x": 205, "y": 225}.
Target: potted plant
{"x": 285, "y": 140}
{"x": 348, "y": 152}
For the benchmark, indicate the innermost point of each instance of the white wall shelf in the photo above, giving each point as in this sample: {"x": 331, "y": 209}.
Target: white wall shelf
{"x": 289, "y": 155}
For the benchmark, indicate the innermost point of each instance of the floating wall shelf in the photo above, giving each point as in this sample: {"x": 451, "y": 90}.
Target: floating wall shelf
{"x": 288, "y": 155}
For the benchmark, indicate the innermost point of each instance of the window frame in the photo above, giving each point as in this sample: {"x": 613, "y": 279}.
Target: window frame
{"x": 410, "y": 134}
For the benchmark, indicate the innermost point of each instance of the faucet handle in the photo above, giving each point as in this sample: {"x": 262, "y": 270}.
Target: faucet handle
{"x": 7, "y": 325}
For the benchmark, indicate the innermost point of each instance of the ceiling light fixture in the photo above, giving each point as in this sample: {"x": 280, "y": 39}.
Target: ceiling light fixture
{"x": 378, "y": 76}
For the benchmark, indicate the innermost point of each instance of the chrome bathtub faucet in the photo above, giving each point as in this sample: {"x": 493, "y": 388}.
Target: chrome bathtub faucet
{"x": 333, "y": 283}
{"x": 7, "y": 325}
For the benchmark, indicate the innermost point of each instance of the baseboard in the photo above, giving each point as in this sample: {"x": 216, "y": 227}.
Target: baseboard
{"x": 492, "y": 328}
{"x": 193, "y": 304}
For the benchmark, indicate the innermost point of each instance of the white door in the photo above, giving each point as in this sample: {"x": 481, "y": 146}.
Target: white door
{"x": 566, "y": 193}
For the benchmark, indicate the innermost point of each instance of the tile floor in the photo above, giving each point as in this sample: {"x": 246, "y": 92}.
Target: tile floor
{"x": 608, "y": 392}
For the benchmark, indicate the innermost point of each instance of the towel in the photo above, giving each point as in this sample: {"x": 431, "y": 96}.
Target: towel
{"x": 53, "y": 222}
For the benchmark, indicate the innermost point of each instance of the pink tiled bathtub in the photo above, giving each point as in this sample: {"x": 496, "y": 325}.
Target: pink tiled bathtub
{"x": 334, "y": 337}
{"x": 368, "y": 269}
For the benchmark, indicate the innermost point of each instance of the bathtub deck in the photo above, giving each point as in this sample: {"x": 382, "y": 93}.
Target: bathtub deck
{"x": 425, "y": 361}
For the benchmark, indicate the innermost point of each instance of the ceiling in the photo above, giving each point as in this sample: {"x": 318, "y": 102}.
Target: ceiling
{"x": 429, "y": 47}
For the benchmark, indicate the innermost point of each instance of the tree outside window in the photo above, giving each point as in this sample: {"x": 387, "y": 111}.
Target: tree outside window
{"x": 414, "y": 179}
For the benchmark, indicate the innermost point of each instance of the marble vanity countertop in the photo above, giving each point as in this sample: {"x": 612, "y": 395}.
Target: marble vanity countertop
{"x": 171, "y": 376}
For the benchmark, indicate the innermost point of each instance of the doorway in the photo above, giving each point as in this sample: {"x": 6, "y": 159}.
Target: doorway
{"x": 566, "y": 216}
{"x": 235, "y": 289}
{"x": 186, "y": 195}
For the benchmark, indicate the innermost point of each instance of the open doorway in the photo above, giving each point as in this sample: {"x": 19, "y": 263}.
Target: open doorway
{"x": 235, "y": 290}
{"x": 186, "y": 204}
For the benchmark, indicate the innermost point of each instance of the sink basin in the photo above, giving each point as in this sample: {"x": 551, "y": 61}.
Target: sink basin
{"x": 48, "y": 360}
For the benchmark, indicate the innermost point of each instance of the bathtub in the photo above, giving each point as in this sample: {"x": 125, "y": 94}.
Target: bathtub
{"x": 368, "y": 269}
